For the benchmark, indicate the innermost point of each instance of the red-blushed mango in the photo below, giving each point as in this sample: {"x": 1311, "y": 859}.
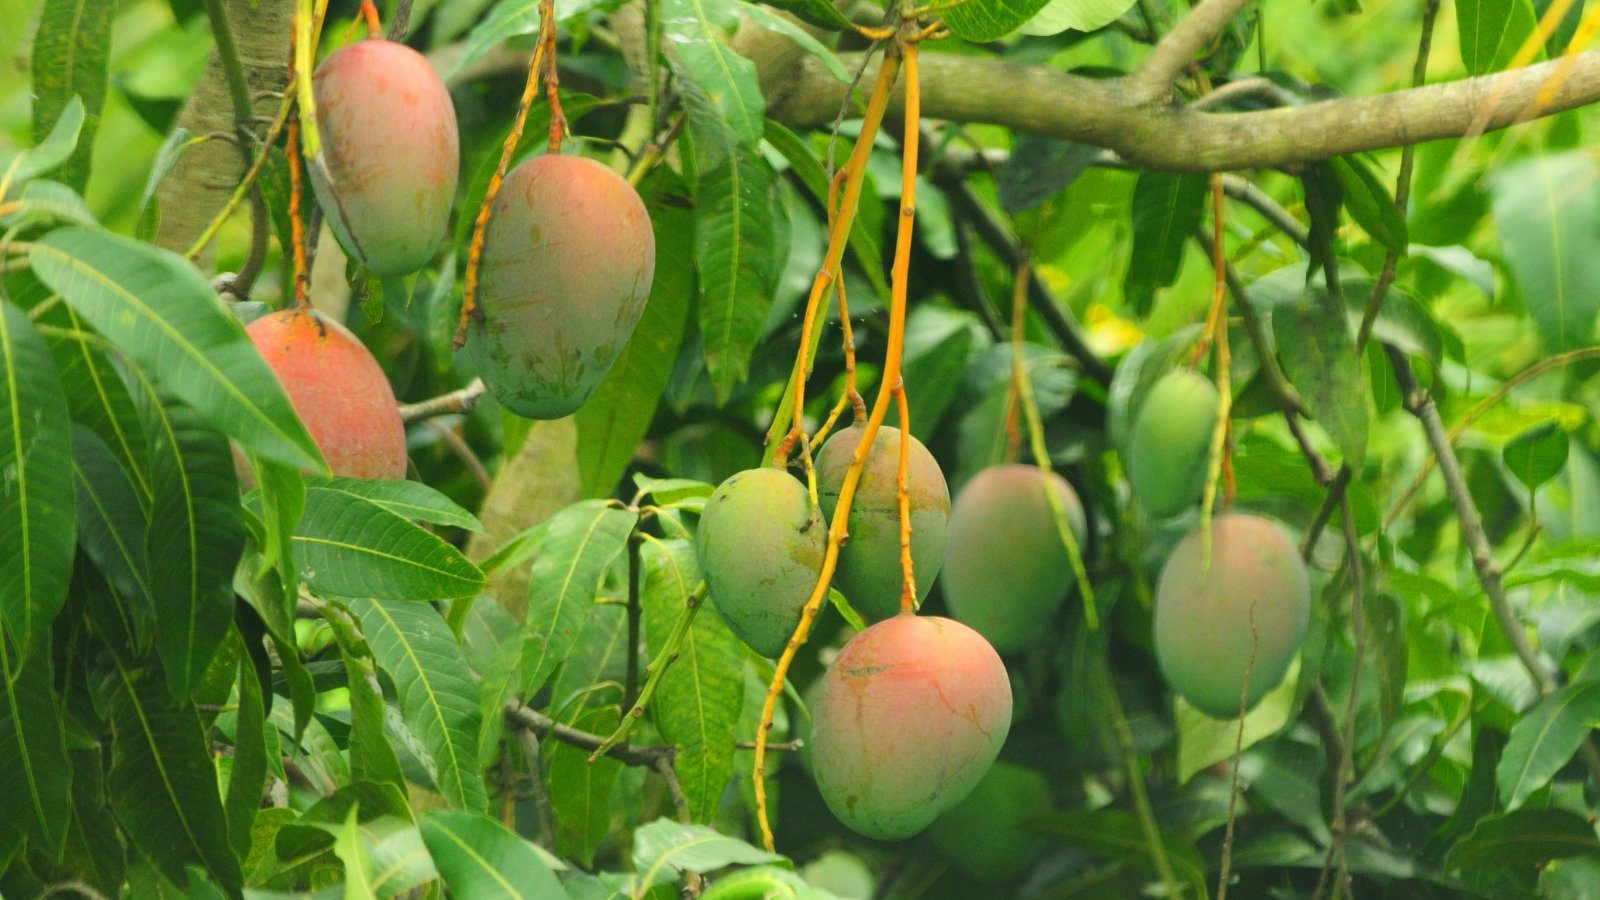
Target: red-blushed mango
{"x": 1169, "y": 447}
{"x": 1244, "y": 611}
{"x": 338, "y": 389}
{"x": 567, "y": 263}
{"x": 984, "y": 835}
{"x": 869, "y": 573}
{"x": 760, "y": 545}
{"x": 1006, "y": 569}
{"x": 908, "y": 719}
{"x": 391, "y": 146}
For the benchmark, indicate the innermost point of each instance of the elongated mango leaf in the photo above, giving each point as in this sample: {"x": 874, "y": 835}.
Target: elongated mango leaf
{"x": 248, "y": 774}
{"x": 1057, "y": 16}
{"x": 112, "y": 526}
{"x": 1166, "y": 211}
{"x": 349, "y": 546}
{"x": 479, "y": 857}
{"x": 1546, "y": 207}
{"x": 664, "y": 849}
{"x": 1491, "y": 31}
{"x": 94, "y": 840}
{"x": 820, "y": 13}
{"x": 372, "y": 757}
{"x": 579, "y": 544}
{"x": 35, "y": 774}
{"x": 1545, "y": 738}
{"x": 724, "y": 84}
{"x": 97, "y": 395}
{"x": 281, "y": 502}
{"x": 616, "y": 418}
{"x": 580, "y": 791}
{"x": 1118, "y": 835}
{"x": 1370, "y": 203}
{"x": 70, "y": 51}
{"x": 38, "y": 519}
{"x": 739, "y": 262}
{"x": 1504, "y": 854}
{"x": 196, "y": 537}
{"x": 436, "y": 695}
{"x": 990, "y": 20}
{"x": 863, "y": 245}
{"x": 162, "y": 784}
{"x": 698, "y": 702}
{"x": 55, "y": 149}
{"x": 1537, "y": 455}
{"x": 1319, "y": 357}
{"x": 408, "y": 499}
{"x": 347, "y": 845}
{"x": 46, "y": 202}
{"x": 158, "y": 308}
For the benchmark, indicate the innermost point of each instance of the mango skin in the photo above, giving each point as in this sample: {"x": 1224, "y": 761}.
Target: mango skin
{"x": 906, "y": 722}
{"x": 568, "y": 259}
{"x": 338, "y": 389}
{"x": 984, "y": 834}
{"x": 869, "y": 573}
{"x": 1170, "y": 444}
{"x": 391, "y": 145}
{"x": 1254, "y": 602}
{"x": 760, "y": 544}
{"x": 1006, "y": 569}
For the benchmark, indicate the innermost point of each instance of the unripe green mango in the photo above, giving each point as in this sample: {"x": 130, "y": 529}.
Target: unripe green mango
{"x": 1170, "y": 444}
{"x": 1006, "y": 569}
{"x": 869, "y": 572}
{"x": 760, "y": 544}
{"x": 1246, "y": 610}
{"x": 568, "y": 258}
{"x": 984, "y": 834}
{"x": 908, "y": 719}
{"x": 390, "y": 143}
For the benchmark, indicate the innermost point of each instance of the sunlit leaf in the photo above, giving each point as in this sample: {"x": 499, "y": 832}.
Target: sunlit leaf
{"x": 479, "y": 857}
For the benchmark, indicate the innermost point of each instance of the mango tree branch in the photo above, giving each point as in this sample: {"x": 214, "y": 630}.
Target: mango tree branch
{"x": 1151, "y": 83}
{"x": 1106, "y": 112}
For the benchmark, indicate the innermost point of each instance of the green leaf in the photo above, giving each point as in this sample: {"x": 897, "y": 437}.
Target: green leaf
{"x": 1369, "y": 202}
{"x": 1039, "y": 168}
{"x": 281, "y": 502}
{"x": 408, "y": 499}
{"x": 1319, "y": 358}
{"x": 172, "y": 149}
{"x": 580, "y": 791}
{"x": 619, "y": 414}
{"x": 248, "y": 776}
{"x": 1547, "y": 209}
{"x": 156, "y": 307}
{"x": 1537, "y": 455}
{"x": 698, "y": 701}
{"x": 1545, "y": 738}
{"x": 1491, "y": 31}
{"x": 372, "y": 757}
{"x": 50, "y": 202}
{"x": 803, "y": 160}
{"x": 70, "y": 51}
{"x": 347, "y": 845}
{"x": 760, "y": 15}
{"x": 579, "y": 545}
{"x": 989, "y": 20}
{"x": 721, "y": 84}
{"x": 94, "y": 839}
{"x": 316, "y": 829}
{"x": 436, "y": 695}
{"x": 1167, "y": 209}
{"x": 37, "y": 516}
{"x": 1503, "y": 855}
{"x": 49, "y": 153}
{"x": 821, "y": 13}
{"x": 1117, "y": 834}
{"x": 348, "y": 546}
{"x": 664, "y": 849}
{"x": 196, "y": 538}
{"x": 738, "y": 260}
{"x": 1079, "y": 15}
{"x": 399, "y": 860}
{"x": 162, "y": 784}
{"x": 479, "y": 857}
{"x": 514, "y": 18}
{"x": 35, "y": 774}
{"x": 1204, "y": 741}
{"x": 112, "y": 525}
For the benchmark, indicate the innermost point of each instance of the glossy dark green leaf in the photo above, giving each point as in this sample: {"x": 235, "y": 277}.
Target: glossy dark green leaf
{"x": 281, "y": 502}
{"x": 372, "y": 758}
{"x": 1319, "y": 357}
{"x": 248, "y": 773}
{"x": 436, "y": 695}
{"x": 738, "y": 260}
{"x": 1547, "y": 210}
{"x": 408, "y": 499}
{"x": 616, "y": 418}
{"x": 1117, "y": 835}
{"x": 1504, "y": 853}
{"x": 990, "y": 20}
{"x": 664, "y": 849}
{"x": 721, "y": 84}
{"x": 1491, "y": 31}
{"x": 313, "y": 833}
{"x": 580, "y": 791}
{"x": 35, "y": 774}
{"x": 698, "y": 701}
{"x": 1167, "y": 209}
{"x": 1545, "y": 738}
{"x": 162, "y": 784}
{"x": 1370, "y": 203}
{"x": 349, "y": 546}
{"x": 820, "y": 13}
{"x": 1040, "y": 167}
{"x": 112, "y": 525}
{"x": 1537, "y": 455}
{"x": 479, "y": 857}
{"x": 156, "y": 307}
{"x": 70, "y": 51}
{"x": 97, "y": 394}
{"x": 579, "y": 545}
{"x": 94, "y": 841}
{"x": 1389, "y": 655}
{"x": 38, "y": 520}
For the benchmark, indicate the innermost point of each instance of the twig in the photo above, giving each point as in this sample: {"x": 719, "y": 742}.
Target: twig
{"x": 1257, "y": 87}
{"x": 1151, "y": 83}
{"x": 783, "y": 746}
{"x": 401, "y": 22}
{"x": 519, "y": 716}
{"x": 630, "y": 684}
{"x": 541, "y": 795}
{"x": 461, "y": 400}
{"x": 1246, "y": 192}
{"x": 968, "y": 286}
{"x": 463, "y": 451}
{"x": 668, "y": 652}
{"x": 1345, "y": 771}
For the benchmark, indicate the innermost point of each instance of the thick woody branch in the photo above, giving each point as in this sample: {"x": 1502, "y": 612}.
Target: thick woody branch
{"x": 1151, "y": 83}
{"x": 1106, "y": 113}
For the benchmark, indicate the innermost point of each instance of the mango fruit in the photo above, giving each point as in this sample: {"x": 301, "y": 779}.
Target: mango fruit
{"x": 1006, "y": 569}
{"x": 338, "y": 389}
{"x": 1244, "y": 610}
{"x": 760, "y": 544}
{"x": 392, "y": 150}
{"x": 1170, "y": 444}
{"x": 568, "y": 259}
{"x": 906, "y": 722}
{"x": 985, "y": 835}
{"x": 869, "y": 573}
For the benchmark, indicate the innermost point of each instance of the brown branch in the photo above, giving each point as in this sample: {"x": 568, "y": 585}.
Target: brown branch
{"x": 1152, "y": 82}
{"x": 521, "y": 716}
{"x": 463, "y": 400}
